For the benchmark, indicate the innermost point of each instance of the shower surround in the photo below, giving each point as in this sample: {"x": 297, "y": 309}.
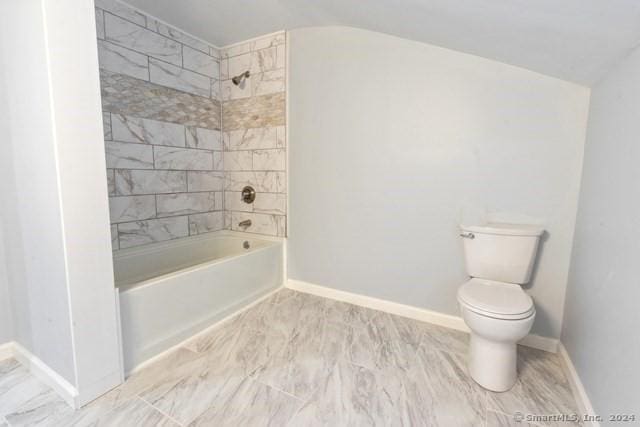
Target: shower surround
{"x": 181, "y": 139}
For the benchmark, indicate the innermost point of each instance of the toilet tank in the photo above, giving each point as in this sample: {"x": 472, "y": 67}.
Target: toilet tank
{"x": 501, "y": 252}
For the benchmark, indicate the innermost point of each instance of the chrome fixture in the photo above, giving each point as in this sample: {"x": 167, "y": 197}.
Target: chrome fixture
{"x": 245, "y": 224}
{"x": 248, "y": 194}
{"x": 468, "y": 235}
{"x": 246, "y": 244}
{"x": 240, "y": 78}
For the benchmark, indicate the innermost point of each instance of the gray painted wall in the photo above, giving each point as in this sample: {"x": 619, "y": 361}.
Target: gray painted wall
{"x": 393, "y": 143}
{"x": 601, "y": 316}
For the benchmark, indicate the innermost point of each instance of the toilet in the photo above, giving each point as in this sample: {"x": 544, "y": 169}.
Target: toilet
{"x": 499, "y": 258}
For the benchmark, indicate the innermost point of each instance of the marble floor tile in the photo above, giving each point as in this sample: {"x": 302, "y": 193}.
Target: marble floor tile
{"x": 249, "y": 403}
{"x": 450, "y": 396}
{"x": 351, "y": 396}
{"x": 297, "y": 359}
{"x": 305, "y": 359}
{"x": 496, "y": 419}
{"x": 133, "y": 412}
{"x": 44, "y": 409}
{"x": 542, "y": 387}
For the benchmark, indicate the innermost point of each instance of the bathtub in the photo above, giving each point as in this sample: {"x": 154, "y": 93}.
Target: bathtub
{"x": 171, "y": 290}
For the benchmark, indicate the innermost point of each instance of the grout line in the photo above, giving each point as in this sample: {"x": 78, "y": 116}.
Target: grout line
{"x": 159, "y": 410}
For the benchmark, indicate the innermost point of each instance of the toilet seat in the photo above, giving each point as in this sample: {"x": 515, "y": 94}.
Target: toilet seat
{"x": 496, "y": 299}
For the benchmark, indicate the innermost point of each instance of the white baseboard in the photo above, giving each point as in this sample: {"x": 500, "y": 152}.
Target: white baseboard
{"x": 579, "y": 392}
{"x": 6, "y": 350}
{"x": 44, "y": 373}
{"x": 417, "y": 313}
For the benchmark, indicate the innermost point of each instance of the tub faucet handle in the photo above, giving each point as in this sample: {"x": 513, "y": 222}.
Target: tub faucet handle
{"x": 245, "y": 224}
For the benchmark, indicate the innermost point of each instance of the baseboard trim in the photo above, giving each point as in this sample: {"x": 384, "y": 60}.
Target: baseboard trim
{"x": 579, "y": 392}
{"x": 205, "y": 331}
{"x": 417, "y": 313}
{"x": 44, "y": 373}
{"x": 7, "y": 350}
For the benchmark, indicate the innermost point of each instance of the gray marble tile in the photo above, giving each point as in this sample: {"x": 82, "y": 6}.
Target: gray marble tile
{"x": 205, "y": 181}
{"x": 230, "y": 91}
{"x": 17, "y": 386}
{"x": 177, "y": 35}
{"x": 199, "y": 62}
{"x": 150, "y": 231}
{"x": 269, "y": 160}
{"x": 122, "y": 10}
{"x": 233, "y": 202}
{"x": 182, "y": 159}
{"x": 268, "y": 182}
{"x": 251, "y": 139}
{"x": 99, "y": 23}
{"x": 121, "y": 60}
{"x": 253, "y": 45}
{"x": 352, "y": 396}
{"x": 125, "y": 155}
{"x": 353, "y": 315}
{"x": 207, "y": 139}
{"x": 281, "y": 136}
{"x": 218, "y": 161}
{"x": 43, "y": 409}
{"x": 496, "y": 419}
{"x": 187, "y": 203}
{"x": 238, "y": 160}
{"x": 106, "y": 126}
{"x": 264, "y": 60}
{"x": 111, "y": 182}
{"x": 145, "y": 131}
{"x": 133, "y": 412}
{"x": 131, "y": 36}
{"x": 307, "y": 358}
{"x": 281, "y": 56}
{"x": 448, "y": 394}
{"x": 114, "y": 237}
{"x": 268, "y": 82}
{"x": 260, "y": 223}
{"x": 542, "y": 387}
{"x": 375, "y": 346}
{"x": 131, "y": 208}
{"x": 239, "y": 64}
{"x": 133, "y": 182}
{"x": 178, "y": 78}
{"x": 229, "y": 355}
{"x": 206, "y": 222}
{"x": 417, "y": 333}
{"x": 270, "y": 203}
{"x": 249, "y": 403}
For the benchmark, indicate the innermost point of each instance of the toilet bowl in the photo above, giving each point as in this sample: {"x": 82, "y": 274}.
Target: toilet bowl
{"x": 499, "y": 313}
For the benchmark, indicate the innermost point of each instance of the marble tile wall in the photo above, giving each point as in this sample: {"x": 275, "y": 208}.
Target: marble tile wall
{"x": 181, "y": 139}
{"x": 162, "y": 128}
{"x": 254, "y": 133}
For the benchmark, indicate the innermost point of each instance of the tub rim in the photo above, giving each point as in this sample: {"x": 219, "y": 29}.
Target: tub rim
{"x": 176, "y": 243}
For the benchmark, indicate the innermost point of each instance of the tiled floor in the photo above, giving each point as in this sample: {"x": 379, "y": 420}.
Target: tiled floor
{"x": 301, "y": 360}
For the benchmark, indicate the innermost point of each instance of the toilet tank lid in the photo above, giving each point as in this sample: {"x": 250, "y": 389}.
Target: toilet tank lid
{"x": 505, "y": 229}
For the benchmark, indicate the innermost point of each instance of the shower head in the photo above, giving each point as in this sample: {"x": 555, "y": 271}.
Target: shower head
{"x": 240, "y": 78}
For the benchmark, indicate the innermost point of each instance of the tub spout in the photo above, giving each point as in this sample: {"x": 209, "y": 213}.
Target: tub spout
{"x": 245, "y": 224}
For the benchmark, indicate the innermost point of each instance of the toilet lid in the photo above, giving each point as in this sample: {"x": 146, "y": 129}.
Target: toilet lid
{"x": 495, "y": 297}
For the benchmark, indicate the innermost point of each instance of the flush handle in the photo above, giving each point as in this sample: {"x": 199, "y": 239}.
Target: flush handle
{"x": 467, "y": 235}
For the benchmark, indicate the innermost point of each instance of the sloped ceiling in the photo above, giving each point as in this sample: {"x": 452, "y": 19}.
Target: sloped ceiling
{"x": 575, "y": 40}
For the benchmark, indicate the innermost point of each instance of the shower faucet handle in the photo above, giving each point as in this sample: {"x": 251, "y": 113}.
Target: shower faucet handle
{"x": 468, "y": 235}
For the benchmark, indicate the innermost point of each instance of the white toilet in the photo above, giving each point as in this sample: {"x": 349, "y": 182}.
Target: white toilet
{"x": 499, "y": 258}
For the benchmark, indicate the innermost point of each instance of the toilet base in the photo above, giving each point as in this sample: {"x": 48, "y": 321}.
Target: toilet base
{"x": 493, "y": 364}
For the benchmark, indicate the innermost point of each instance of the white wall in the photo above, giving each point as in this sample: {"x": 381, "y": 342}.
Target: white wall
{"x": 394, "y": 143}
{"x": 6, "y": 318}
{"x": 30, "y": 193}
{"x": 602, "y": 317}
{"x": 54, "y": 192}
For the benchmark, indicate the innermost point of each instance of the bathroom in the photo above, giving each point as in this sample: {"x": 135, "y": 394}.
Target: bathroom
{"x": 220, "y": 213}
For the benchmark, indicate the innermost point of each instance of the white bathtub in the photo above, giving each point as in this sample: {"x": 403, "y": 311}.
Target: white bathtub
{"x": 172, "y": 290}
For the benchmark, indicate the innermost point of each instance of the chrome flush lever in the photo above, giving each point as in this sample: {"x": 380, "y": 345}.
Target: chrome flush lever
{"x": 467, "y": 235}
